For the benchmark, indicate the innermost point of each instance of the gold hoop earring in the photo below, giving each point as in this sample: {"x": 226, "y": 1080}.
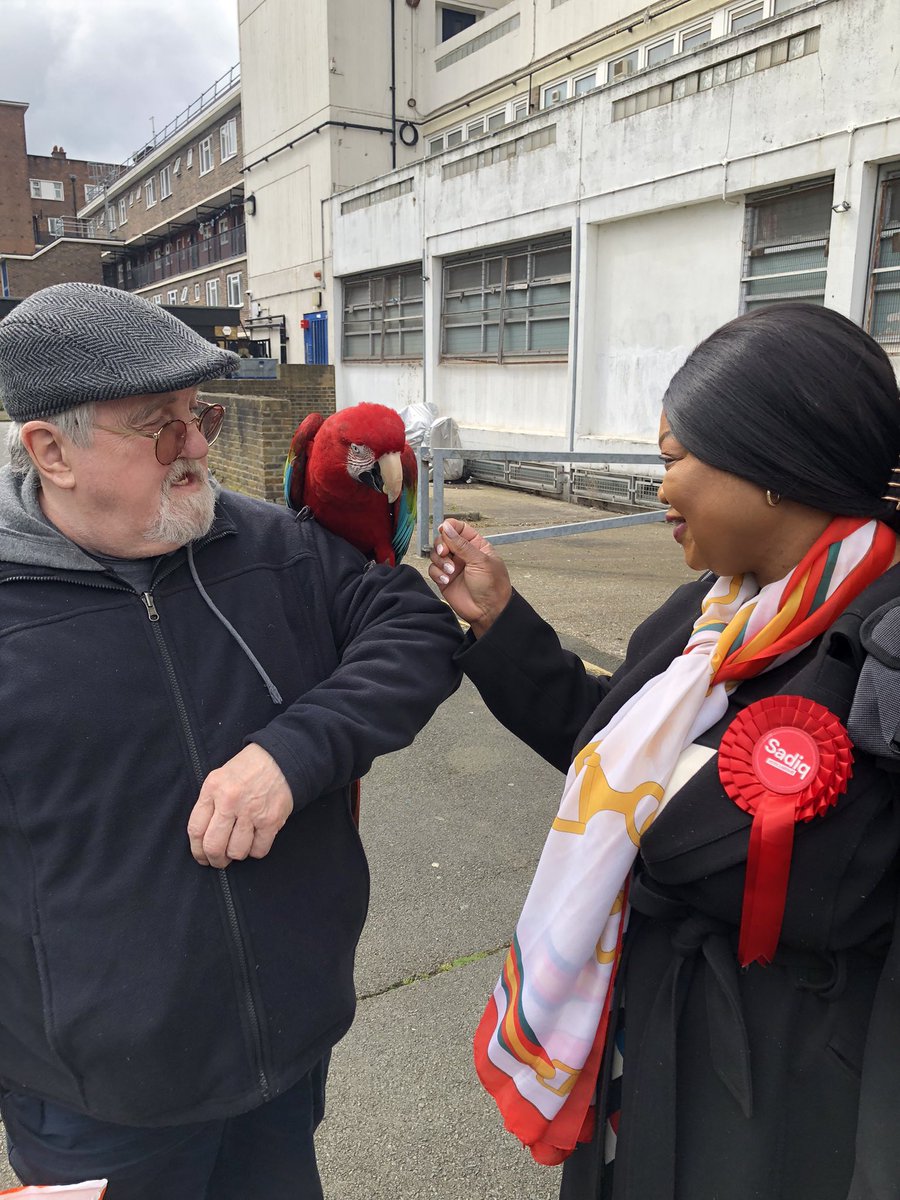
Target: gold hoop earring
{"x": 772, "y": 498}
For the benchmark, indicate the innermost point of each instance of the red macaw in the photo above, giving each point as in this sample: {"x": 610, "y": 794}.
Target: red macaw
{"x": 357, "y": 475}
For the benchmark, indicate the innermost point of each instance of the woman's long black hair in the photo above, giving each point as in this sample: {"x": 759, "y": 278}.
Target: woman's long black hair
{"x": 799, "y": 400}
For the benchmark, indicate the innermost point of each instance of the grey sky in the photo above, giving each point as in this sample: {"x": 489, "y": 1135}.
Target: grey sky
{"x": 95, "y": 71}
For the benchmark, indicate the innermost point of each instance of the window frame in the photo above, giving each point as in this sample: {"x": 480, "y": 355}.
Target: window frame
{"x": 165, "y": 182}
{"x": 212, "y": 293}
{"x": 205, "y": 147}
{"x": 150, "y": 192}
{"x": 888, "y": 177}
{"x": 754, "y": 248}
{"x": 56, "y": 227}
{"x": 228, "y": 132}
{"x": 385, "y": 315}
{"x": 198, "y": 291}
{"x": 123, "y": 211}
{"x": 229, "y": 280}
{"x": 504, "y": 314}
{"x": 54, "y": 185}
{"x": 172, "y": 296}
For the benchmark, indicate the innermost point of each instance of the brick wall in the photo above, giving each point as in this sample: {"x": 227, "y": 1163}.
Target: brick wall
{"x": 65, "y": 261}
{"x": 262, "y": 416}
{"x": 59, "y": 167}
{"x": 16, "y": 235}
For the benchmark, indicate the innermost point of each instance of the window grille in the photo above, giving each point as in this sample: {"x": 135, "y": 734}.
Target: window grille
{"x": 508, "y": 302}
{"x": 786, "y": 244}
{"x": 383, "y": 315}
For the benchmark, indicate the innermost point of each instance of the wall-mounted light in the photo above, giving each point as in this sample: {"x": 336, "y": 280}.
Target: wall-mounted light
{"x": 843, "y": 207}
{"x": 250, "y": 205}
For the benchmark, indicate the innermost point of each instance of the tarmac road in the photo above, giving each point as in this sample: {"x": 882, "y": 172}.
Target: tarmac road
{"x": 453, "y": 827}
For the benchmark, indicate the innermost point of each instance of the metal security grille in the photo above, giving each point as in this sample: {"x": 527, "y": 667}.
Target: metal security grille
{"x": 382, "y": 317}
{"x": 508, "y": 302}
{"x": 787, "y": 245}
{"x": 883, "y": 316}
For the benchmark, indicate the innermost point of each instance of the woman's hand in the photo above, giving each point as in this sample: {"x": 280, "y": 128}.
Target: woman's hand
{"x": 472, "y": 577}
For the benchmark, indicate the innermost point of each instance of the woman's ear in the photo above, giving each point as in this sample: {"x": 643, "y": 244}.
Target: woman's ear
{"x": 49, "y": 453}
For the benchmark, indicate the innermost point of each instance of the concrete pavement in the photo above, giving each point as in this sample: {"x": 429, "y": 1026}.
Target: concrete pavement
{"x": 453, "y": 827}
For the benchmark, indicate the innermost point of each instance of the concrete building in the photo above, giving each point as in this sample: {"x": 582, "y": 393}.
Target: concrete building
{"x": 593, "y": 188}
{"x": 177, "y": 210}
{"x": 42, "y": 240}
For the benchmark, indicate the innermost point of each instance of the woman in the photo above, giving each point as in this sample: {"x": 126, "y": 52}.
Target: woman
{"x": 708, "y": 948}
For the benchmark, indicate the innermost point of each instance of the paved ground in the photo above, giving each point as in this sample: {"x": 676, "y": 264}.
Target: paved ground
{"x": 453, "y": 827}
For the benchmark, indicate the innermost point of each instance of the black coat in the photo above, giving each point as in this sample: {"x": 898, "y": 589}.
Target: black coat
{"x": 135, "y": 985}
{"x": 738, "y": 1084}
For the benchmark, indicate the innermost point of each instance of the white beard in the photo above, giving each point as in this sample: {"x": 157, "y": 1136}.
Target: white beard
{"x": 183, "y": 518}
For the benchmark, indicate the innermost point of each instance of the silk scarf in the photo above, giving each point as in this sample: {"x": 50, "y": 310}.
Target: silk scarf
{"x": 540, "y": 1041}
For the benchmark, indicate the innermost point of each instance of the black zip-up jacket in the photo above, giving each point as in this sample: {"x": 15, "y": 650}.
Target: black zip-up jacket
{"x": 138, "y": 986}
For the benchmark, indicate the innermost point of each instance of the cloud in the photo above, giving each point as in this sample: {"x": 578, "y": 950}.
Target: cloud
{"x": 94, "y": 73}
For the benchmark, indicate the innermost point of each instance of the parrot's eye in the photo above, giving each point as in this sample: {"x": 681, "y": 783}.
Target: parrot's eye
{"x": 355, "y": 448}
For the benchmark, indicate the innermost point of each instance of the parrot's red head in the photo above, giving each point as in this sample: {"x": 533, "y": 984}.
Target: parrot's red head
{"x": 367, "y": 440}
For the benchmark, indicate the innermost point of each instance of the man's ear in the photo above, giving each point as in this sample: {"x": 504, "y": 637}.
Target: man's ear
{"x": 49, "y": 453}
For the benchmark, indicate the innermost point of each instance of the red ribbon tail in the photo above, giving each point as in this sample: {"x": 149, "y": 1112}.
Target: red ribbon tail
{"x": 765, "y": 889}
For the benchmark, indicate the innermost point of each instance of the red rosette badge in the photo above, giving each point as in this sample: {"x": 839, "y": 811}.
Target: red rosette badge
{"x": 783, "y": 759}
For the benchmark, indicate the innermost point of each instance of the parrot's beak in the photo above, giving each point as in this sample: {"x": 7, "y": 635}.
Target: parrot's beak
{"x": 388, "y": 466}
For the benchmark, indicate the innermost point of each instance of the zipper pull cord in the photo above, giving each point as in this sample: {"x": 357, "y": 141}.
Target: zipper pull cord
{"x": 273, "y": 691}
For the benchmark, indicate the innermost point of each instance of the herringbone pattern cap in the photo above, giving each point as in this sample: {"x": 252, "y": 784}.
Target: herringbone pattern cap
{"x": 77, "y": 342}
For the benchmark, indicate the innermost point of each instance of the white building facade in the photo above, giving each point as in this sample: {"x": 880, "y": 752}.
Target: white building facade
{"x": 582, "y": 192}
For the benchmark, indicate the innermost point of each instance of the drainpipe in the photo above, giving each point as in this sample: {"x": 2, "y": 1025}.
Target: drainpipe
{"x": 393, "y": 92}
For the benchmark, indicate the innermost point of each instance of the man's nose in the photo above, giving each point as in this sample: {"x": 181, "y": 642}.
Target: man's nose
{"x": 195, "y": 444}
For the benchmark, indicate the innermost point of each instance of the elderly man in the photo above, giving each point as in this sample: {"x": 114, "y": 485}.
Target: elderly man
{"x": 189, "y": 682}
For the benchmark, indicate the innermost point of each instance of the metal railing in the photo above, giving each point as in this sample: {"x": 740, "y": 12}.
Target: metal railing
{"x": 215, "y": 92}
{"x": 435, "y": 459}
{"x": 205, "y": 253}
{"x": 73, "y": 227}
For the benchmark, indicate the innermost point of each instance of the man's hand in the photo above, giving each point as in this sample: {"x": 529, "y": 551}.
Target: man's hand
{"x": 240, "y": 809}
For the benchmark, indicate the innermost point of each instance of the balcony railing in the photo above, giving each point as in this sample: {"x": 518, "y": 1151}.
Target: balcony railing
{"x": 73, "y": 227}
{"x": 206, "y": 253}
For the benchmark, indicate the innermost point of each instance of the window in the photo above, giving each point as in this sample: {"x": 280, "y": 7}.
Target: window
{"x": 454, "y": 138}
{"x": 123, "y": 211}
{"x": 585, "y": 84}
{"x": 131, "y": 196}
{"x": 111, "y": 217}
{"x": 184, "y": 295}
{"x": 786, "y": 5}
{"x": 555, "y": 94}
{"x": 92, "y": 191}
{"x": 46, "y": 189}
{"x": 205, "y": 151}
{"x": 454, "y": 21}
{"x": 150, "y": 192}
{"x": 883, "y": 316}
{"x": 695, "y": 38}
{"x": 196, "y": 292}
{"x": 510, "y": 302}
{"x": 383, "y": 316}
{"x": 235, "y": 290}
{"x": 212, "y": 291}
{"x": 475, "y": 128}
{"x": 620, "y": 67}
{"x": 521, "y": 110}
{"x": 496, "y": 120}
{"x": 189, "y": 163}
{"x": 158, "y": 298}
{"x": 745, "y": 18}
{"x": 786, "y": 244}
{"x": 435, "y": 145}
{"x": 172, "y": 296}
{"x": 660, "y": 52}
{"x": 228, "y": 139}
{"x": 56, "y": 226}
{"x": 165, "y": 183}
{"x": 176, "y": 165}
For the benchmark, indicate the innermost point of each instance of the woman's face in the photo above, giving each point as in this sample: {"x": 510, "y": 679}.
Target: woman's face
{"x": 724, "y": 524}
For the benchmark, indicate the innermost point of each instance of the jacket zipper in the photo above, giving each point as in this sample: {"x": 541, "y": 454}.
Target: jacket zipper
{"x": 221, "y": 872}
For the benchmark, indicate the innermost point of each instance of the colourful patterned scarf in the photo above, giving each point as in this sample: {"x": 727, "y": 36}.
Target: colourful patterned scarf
{"x": 540, "y": 1042}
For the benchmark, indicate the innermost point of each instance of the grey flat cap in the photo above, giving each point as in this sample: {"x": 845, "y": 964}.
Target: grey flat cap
{"x": 76, "y": 342}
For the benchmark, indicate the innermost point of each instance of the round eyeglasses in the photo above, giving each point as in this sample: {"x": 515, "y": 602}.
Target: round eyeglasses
{"x": 170, "y": 438}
